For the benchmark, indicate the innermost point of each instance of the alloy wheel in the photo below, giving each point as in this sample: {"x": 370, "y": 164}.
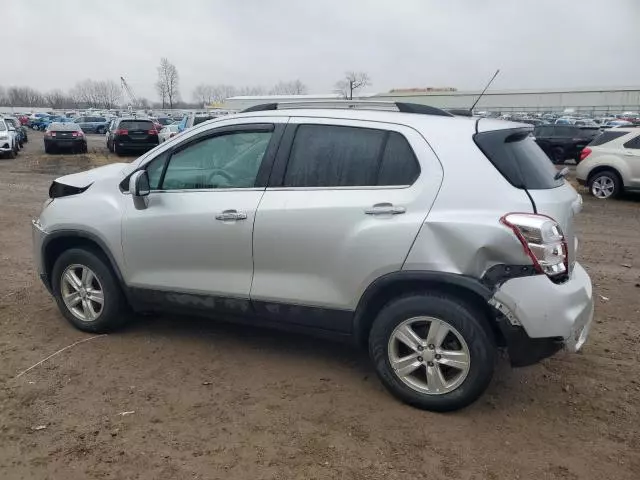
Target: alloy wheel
{"x": 429, "y": 355}
{"x": 603, "y": 187}
{"x": 82, "y": 292}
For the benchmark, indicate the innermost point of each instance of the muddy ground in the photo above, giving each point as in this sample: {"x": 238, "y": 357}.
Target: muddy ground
{"x": 176, "y": 398}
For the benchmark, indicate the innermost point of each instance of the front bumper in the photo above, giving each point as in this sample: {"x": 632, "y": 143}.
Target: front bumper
{"x": 5, "y": 146}
{"x": 544, "y": 315}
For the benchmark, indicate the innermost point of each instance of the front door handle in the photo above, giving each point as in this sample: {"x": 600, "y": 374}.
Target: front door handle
{"x": 231, "y": 215}
{"x": 385, "y": 209}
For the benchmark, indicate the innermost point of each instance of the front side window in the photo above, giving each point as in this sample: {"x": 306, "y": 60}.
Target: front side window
{"x": 229, "y": 160}
{"x": 338, "y": 156}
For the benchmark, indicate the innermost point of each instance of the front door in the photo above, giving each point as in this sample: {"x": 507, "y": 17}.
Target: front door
{"x": 195, "y": 234}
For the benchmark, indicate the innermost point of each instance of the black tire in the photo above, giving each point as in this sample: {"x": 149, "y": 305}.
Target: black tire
{"x": 113, "y": 313}
{"x": 118, "y": 151}
{"x": 84, "y": 149}
{"x": 606, "y": 174}
{"x": 558, "y": 155}
{"x": 48, "y": 149}
{"x": 470, "y": 323}
{"x": 12, "y": 154}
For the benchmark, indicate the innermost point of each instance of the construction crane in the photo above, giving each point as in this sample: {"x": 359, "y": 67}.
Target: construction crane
{"x": 132, "y": 98}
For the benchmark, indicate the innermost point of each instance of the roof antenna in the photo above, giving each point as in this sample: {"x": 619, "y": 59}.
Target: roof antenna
{"x": 485, "y": 89}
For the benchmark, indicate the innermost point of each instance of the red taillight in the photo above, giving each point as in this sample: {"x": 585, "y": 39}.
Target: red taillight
{"x": 153, "y": 131}
{"x": 586, "y": 151}
{"x": 50, "y": 134}
{"x": 122, "y": 132}
{"x": 77, "y": 134}
{"x": 542, "y": 240}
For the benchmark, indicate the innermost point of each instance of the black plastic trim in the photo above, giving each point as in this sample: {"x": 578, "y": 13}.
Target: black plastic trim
{"x": 439, "y": 278}
{"x": 524, "y": 350}
{"x": 58, "y": 190}
{"x": 498, "y": 274}
{"x": 81, "y": 234}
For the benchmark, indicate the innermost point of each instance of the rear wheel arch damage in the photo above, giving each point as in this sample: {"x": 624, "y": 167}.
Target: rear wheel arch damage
{"x": 463, "y": 289}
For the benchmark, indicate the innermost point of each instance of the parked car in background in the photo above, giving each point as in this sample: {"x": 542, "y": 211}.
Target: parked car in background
{"x": 561, "y": 142}
{"x": 168, "y": 132}
{"x": 131, "y": 134}
{"x": 611, "y": 163}
{"x": 388, "y": 241}
{"x": 192, "y": 119}
{"x": 21, "y": 131}
{"x": 46, "y": 121}
{"x": 8, "y": 140}
{"x": 91, "y": 124}
{"x": 64, "y": 136}
{"x": 35, "y": 123}
{"x": 617, "y": 123}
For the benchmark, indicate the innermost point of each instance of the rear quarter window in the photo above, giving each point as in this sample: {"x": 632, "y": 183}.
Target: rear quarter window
{"x": 519, "y": 159}
{"x": 606, "y": 137}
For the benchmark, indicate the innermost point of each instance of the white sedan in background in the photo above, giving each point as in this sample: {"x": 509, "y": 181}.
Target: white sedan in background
{"x": 168, "y": 132}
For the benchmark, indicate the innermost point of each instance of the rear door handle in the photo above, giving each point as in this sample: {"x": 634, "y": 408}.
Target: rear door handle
{"x": 231, "y": 215}
{"x": 385, "y": 209}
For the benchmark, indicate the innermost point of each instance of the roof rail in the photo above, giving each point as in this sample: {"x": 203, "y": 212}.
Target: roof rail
{"x": 352, "y": 104}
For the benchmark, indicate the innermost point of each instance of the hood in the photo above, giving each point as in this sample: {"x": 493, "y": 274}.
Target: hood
{"x": 84, "y": 179}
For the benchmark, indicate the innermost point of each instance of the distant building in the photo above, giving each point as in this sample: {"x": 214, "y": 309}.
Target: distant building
{"x": 600, "y": 100}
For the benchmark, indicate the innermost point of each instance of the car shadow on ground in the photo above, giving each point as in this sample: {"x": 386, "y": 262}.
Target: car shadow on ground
{"x": 329, "y": 349}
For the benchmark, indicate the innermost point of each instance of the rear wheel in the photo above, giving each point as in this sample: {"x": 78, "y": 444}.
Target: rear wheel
{"x": 605, "y": 184}
{"x": 12, "y": 154}
{"x": 432, "y": 351}
{"x": 117, "y": 150}
{"x": 87, "y": 292}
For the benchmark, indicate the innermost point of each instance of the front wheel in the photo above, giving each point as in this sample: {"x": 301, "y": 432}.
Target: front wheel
{"x": 558, "y": 155}
{"x": 432, "y": 351}
{"x": 87, "y": 292}
{"x": 605, "y": 184}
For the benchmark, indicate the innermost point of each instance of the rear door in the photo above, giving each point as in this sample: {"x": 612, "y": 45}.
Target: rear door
{"x": 632, "y": 157}
{"x": 344, "y": 204}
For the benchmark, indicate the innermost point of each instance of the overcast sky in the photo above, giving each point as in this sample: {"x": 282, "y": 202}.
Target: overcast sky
{"x": 400, "y": 43}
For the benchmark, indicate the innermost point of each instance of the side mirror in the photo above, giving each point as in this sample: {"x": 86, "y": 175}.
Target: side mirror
{"x": 139, "y": 184}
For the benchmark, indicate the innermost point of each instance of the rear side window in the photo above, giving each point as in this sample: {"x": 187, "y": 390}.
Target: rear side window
{"x": 338, "y": 156}
{"x": 606, "y": 137}
{"x": 633, "y": 143}
{"x": 518, "y": 158}
{"x": 135, "y": 125}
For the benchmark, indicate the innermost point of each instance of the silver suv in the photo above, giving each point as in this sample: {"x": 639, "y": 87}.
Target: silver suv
{"x": 431, "y": 240}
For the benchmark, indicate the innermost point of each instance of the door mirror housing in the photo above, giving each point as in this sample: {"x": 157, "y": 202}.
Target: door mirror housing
{"x": 139, "y": 184}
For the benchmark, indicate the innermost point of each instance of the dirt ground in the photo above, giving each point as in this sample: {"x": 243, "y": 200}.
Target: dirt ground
{"x": 178, "y": 398}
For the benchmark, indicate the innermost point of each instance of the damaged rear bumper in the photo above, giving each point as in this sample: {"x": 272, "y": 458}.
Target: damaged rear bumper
{"x": 540, "y": 317}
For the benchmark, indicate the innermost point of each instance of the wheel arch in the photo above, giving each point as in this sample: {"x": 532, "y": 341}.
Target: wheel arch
{"x": 605, "y": 168}
{"x": 59, "y": 242}
{"x": 388, "y": 287}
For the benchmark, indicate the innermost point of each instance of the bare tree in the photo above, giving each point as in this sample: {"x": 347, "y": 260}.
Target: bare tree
{"x": 351, "y": 82}
{"x": 294, "y": 87}
{"x": 251, "y": 90}
{"x": 108, "y": 93}
{"x": 204, "y": 94}
{"x": 3, "y": 96}
{"x": 24, "y": 97}
{"x": 57, "y": 99}
{"x": 168, "y": 82}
